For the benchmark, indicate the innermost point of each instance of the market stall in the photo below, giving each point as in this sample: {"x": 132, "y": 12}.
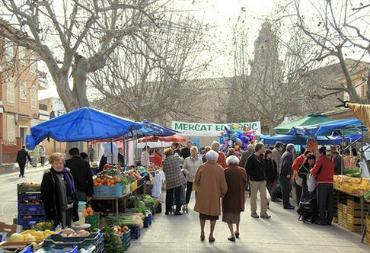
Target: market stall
{"x": 112, "y": 184}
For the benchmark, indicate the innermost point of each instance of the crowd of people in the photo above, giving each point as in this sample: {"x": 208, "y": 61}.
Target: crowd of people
{"x": 221, "y": 182}
{"x": 275, "y": 174}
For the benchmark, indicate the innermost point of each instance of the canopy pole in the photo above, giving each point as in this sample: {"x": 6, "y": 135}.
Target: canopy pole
{"x": 111, "y": 149}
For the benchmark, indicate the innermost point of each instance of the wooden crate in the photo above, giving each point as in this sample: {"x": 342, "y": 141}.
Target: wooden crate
{"x": 351, "y": 220}
{"x": 356, "y": 205}
{"x": 354, "y": 213}
{"x": 335, "y": 220}
{"x": 354, "y": 228}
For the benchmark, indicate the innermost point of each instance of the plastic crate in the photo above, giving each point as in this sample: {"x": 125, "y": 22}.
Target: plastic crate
{"x": 24, "y": 197}
{"x": 31, "y": 209}
{"x": 80, "y": 242}
{"x": 126, "y": 240}
{"x": 108, "y": 191}
{"x": 27, "y": 188}
{"x": 27, "y": 249}
{"x": 29, "y": 221}
{"x": 59, "y": 249}
{"x": 135, "y": 231}
{"x": 147, "y": 221}
{"x": 93, "y": 220}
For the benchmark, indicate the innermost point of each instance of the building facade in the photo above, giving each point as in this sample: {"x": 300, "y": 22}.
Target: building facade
{"x": 19, "y": 106}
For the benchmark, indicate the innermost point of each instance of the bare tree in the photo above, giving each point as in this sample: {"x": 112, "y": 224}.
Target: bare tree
{"x": 336, "y": 30}
{"x": 75, "y": 38}
{"x": 267, "y": 88}
{"x": 150, "y": 79}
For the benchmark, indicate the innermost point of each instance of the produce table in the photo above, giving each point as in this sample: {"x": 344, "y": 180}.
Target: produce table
{"x": 118, "y": 198}
{"x": 353, "y": 188}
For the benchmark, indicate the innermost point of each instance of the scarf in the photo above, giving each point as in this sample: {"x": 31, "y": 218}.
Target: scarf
{"x": 70, "y": 185}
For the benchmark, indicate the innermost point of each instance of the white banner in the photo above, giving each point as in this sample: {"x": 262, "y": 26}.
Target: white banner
{"x": 205, "y": 129}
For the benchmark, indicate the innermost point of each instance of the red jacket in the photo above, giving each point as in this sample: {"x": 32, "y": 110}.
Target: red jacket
{"x": 157, "y": 160}
{"x": 326, "y": 174}
{"x": 221, "y": 160}
{"x": 298, "y": 162}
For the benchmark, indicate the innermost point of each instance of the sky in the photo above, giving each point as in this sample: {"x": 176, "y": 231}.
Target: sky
{"x": 221, "y": 15}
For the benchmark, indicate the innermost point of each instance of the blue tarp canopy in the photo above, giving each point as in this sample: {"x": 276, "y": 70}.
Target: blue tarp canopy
{"x": 328, "y": 128}
{"x": 302, "y": 140}
{"x": 84, "y": 124}
{"x": 152, "y": 129}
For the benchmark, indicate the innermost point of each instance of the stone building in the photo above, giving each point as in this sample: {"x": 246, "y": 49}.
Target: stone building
{"x": 19, "y": 108}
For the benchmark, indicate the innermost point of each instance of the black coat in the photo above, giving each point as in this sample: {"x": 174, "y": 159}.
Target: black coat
{"x": 22, "y": 156}
{"x": 271, "y": 171}
{"x": 82, "y": 175}
{"x": 185, "y": 152}
{"x": 286, "y": 162}
{"x": 255, "y": 169}
{"x": 50, "y": 192}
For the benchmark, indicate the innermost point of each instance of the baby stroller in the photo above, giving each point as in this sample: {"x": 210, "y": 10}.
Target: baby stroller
{"x": 308, "y": 211}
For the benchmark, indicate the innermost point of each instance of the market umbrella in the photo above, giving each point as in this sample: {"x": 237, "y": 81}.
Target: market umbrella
{"x": 173, "y": 138}
{"x": 327, "y": 128}
{"x": 302, "y": 139}
{"x": 309, "y": 120}
{"x": 84, "y": 124}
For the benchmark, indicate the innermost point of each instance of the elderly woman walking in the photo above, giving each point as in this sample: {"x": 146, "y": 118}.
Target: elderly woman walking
{"x": 191, "y": 165}
{"x": 234, "y": 200}
{"x": 210, "y": 186}
{"x": 175, "y": 180}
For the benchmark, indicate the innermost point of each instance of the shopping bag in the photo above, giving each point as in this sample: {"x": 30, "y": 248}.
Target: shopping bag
{"x": 311, "y": 183}
{"x": 268, "y": 196}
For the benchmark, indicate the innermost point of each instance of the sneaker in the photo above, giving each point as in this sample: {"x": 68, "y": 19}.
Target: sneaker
{"x": 254, "y": 215}
{"x": 289, "y": 207}
{"x": 265, "y": 216}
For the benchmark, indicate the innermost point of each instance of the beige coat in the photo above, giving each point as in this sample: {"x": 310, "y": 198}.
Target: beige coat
{"x": 210, "y": 185}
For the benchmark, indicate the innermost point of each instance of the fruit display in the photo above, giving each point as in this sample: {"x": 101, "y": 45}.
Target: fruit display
{"x": 352, "y": 185}
{"x": 120, "y": 230}
{"x": 353, "y": 172}
{"x": 108, "y": 180}
{"x": 88, "y": 211}
{"x": 68, "y": 232}
{"x": 41, "y": 226}
{"x": 112, "y": 243}
{"x": 29, "y": 236}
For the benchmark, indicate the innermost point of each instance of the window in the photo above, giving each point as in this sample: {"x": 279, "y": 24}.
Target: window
{"x": 22, "y": 91}
{"x": 10, "y": 126}
{"x": 8, "y": 48}
{"x": 10, "y": 96}
{"x": 33, "y": 92}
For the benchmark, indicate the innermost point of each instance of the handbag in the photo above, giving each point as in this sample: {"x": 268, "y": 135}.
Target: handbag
{"x": 311, "y": 181}
{"x": 298, "y": 180}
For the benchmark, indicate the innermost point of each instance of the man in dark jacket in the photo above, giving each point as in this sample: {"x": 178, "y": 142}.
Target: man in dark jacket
{"x": 22, "y": 157}
{"x": 82, "y": 175}
{"x": 257, "y": 178}
{"x": 286, "y": 175}
{"x": 185, "y": 151}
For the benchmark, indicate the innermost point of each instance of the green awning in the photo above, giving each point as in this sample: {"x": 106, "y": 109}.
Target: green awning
{"x": 311, "y": 119}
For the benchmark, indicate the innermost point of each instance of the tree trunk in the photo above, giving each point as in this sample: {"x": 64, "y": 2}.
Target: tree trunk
{"x": 79, "y": 74}
{"x": 368, "y": 86}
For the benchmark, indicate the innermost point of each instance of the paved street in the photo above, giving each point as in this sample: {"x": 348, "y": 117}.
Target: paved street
{"x": 8, "y": 191}
{"x": 283, "y": 233}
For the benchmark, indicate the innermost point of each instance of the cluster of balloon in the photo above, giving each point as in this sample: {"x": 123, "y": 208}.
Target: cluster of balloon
{"x": 236, "y": 137}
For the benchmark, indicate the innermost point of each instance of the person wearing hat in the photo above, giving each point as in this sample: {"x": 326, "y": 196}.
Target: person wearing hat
{"x": 324, "y": 173}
